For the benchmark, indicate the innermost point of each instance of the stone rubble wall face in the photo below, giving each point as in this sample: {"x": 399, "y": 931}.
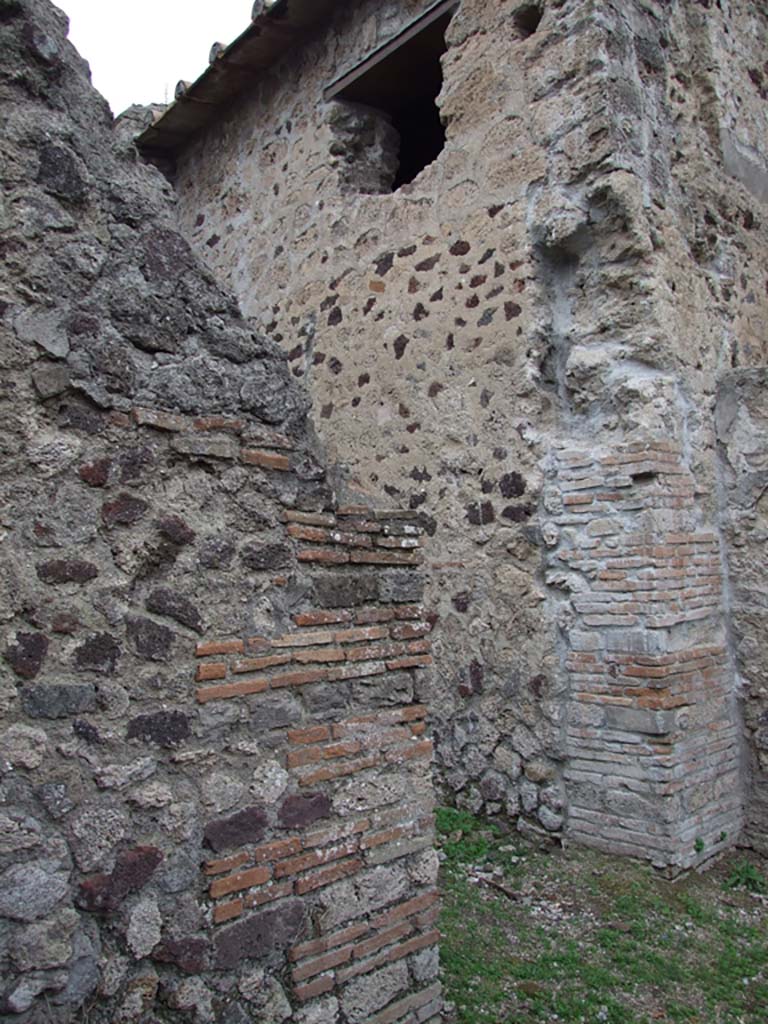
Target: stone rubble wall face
{"x": 407, "y": 317}
{"x": 572, "y": 273}
{"x": 742, "y": 440}
{"x": 215, "y": 791}
{"x": 715, "y": 225}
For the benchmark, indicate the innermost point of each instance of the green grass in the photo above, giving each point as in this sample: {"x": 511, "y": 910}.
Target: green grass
{"x": 531, "y": 936}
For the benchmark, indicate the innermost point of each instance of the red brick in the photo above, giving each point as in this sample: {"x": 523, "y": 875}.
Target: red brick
{"x": 310, "y": 533}
{"x": 257, "y": 664}
{"x": 218, "y": 867}
{"x": 322, "y": 963}
{"x": 314, "y": 859}
{"x": 276, "y": 850}
{"x": 210, "y": 670}
{"x": 321, "y": 654}
{"x": 397, "y": 543}
{"x": 338, "y": 771}
{"x": 266, "y": 438}
{"x": 422, "y": 749}
{"x": 303, "y": 756}
{"x": 406, "y": 909}
{"x": 663, "y": 703}
{"x": 365, "y": 526}
{"x": 370, "y": 652}
{"x": 419, "y": 646}
{"x": 347, "y": 636}
{"x": 408, "y": 611}
{"x": 309, "y": 639}
{"x": 313, "y": 734}
{"x": 335, "y": 833}
{"x": 298, "y": 678}
{"x": 309, "y": 518}
{"x": 326, "y": 876}
{"x": 258, "y": 643}
{"x": 326, "y": 942}
{"x": 226, "y": 911}
{"x": 410, "y": 713}
{"x": 275, "y": 891}
{"x": 414, "y": 945}
{"x": 227, "y": 690}
{"x": 321, "y": 618}
{"x": 385, "y": 938}
{"x": 414, "y": 661}
{"x": 411, "y": 630}
{"x": 395, "y": 513}
{"x": 646, "y": 672}
{"x": 161, "y": 420}
{"x": 379, "y": 838}
{"x": 266, "y": 460}
{"x": 349, "y": 538}
{"x": 239, "y": 881}
{"x": 385, "y": 957}
{"x": 219, "y": 423}
{"x": 357, "y": 670}
{"x": 369, "y": 615}
{"x": 314, "y": 988}
{"x": 119, "y": 419}
{"x": 329, "y": 556}
{"x": 342, "y": 749}
{"x": 206, "y": 648}
{"x": 386, "y": 557}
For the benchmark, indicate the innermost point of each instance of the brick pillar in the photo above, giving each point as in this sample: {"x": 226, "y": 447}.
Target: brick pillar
{"x": 652, "y": 740}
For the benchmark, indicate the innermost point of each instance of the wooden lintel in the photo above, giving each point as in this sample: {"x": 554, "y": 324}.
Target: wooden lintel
{"x": 417, "y": 25}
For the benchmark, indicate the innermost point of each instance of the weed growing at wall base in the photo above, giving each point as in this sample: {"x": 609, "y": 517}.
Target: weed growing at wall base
{"x": 535, "y": 935}
{"x": 744, "y": 875}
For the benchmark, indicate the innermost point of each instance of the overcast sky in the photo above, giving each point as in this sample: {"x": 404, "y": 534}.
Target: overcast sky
{"x": 138, "y": 50}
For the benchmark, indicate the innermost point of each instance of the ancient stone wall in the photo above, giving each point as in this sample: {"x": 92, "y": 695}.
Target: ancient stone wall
{"x": 742, "y": 420}
{"x": 215, "y": 795}
{"x": 715, "y": 227}
{"x": 411, "y": 312}
{"x": 548, "y": 303}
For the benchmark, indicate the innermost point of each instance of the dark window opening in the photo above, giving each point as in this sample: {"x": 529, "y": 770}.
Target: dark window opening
{"x": 527, "y": 20}
{"x": 644, "y": 477}
{"x": 400, "y": 82}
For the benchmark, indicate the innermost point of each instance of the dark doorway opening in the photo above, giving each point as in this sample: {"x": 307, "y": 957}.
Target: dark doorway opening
{"x": 401, "y": 81}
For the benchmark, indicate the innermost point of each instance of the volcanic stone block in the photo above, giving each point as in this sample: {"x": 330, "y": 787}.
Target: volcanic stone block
{"x": 277, "y": 928}
{"x": 166, "y": 728}
{"x": 298, "y": 811}
{"x": 246, "y": 826}
{"x": 58, "y": 700}
{"x": 26, "y": 655}
{"x": 67, "y": 570}
{"x": 149, "y": 639}
{"x": 99, "y": 653}
{"x": 165, "y": 601}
